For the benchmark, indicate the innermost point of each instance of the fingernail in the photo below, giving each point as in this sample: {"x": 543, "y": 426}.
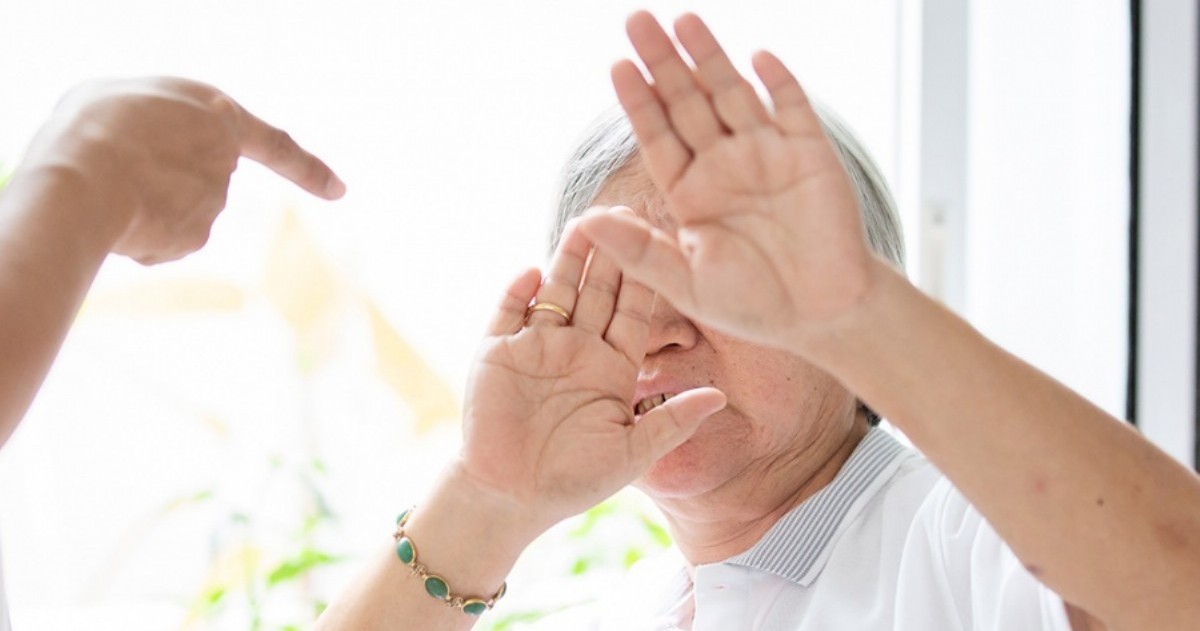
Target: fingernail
{"x": 334, "y": 187}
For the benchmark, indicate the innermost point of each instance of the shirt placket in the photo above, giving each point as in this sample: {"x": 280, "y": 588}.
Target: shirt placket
{"x": 722, "y": 594}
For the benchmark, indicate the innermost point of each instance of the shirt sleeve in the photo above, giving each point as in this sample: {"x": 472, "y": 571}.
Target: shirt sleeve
{"x": 991, "y": 588}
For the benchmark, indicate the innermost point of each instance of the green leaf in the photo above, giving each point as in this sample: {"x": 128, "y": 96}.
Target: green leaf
{"x": 659, "y": 534}
{"x": 592, "y": 517}
{"x": 632, "y": 555}
{"x": 187, "y": 500}
{"x": 214, "y": 596}
{"x": 299, "y": 565}
{"x": 314, "y": 491}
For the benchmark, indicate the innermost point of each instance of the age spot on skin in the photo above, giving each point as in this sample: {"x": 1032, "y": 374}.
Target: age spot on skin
{"x": 1100, "y": 501}
{"x": 1171, "y": 536}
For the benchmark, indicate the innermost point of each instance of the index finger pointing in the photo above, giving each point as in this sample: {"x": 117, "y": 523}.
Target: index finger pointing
{"x": 274, "y": 148}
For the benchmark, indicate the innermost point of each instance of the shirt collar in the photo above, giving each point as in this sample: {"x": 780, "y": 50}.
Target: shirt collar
{"x": 799, "y": 544}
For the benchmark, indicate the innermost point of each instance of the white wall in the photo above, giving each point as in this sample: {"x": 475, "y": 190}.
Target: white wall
{"x": 1046, "y": 249}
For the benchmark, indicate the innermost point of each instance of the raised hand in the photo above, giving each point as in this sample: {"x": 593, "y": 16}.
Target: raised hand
{"x": 768, "y": 241}
{"x": 549, "y": 421}
{"x": 154, "y": 157}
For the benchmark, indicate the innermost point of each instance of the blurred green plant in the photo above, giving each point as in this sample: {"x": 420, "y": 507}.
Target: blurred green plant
{"x": 255, "y": 582}
{"x": 608, "y": 539}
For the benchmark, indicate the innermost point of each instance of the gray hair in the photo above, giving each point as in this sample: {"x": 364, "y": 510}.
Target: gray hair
{"x": 610, "y": 145}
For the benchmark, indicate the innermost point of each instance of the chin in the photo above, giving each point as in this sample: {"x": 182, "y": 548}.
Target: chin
{"x": 696, "y": 467}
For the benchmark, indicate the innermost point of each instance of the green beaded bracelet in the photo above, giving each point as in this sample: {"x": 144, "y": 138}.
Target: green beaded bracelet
{"x": 435, "y": 585}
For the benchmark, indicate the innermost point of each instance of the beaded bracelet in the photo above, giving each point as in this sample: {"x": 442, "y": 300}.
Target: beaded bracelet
{"x": 435, "y": 585}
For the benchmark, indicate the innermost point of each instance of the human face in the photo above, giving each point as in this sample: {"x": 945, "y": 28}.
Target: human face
{"x": 783, "y": 417}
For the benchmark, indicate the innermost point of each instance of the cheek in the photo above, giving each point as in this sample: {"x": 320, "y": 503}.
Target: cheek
{"x": 767, "y": 386}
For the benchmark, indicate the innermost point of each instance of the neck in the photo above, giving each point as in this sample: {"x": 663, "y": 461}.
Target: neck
{"x": 730, "y": 519}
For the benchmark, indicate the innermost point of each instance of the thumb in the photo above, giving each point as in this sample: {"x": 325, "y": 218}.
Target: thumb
{"x": 670, "y": 424}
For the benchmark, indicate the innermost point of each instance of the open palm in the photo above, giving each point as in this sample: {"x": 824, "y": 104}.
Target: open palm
{"x": 769, "y": 238}
{"x": 549, "y": 417}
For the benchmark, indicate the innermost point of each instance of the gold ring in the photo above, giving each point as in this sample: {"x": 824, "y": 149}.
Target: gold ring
{"x": 552, "y": 308}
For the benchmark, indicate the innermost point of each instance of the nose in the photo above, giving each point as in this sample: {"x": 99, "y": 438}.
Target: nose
{"x": 669, "y": 330}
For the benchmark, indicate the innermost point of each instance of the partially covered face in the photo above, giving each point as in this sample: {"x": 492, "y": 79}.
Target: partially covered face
{"x": 780, "y": 410}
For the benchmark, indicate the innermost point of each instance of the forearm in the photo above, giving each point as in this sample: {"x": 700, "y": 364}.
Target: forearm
{"x": 1102, "y": 516}
{"x": 467, "y": 537}
{"x": 53, "y": 239}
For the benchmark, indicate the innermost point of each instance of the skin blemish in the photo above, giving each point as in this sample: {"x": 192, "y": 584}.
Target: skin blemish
{"x": 1100, "y": 501}
{"x": 1171, "y": 537}
{"x": 1039, "y": 485}
{"x": 1033, "y": 569}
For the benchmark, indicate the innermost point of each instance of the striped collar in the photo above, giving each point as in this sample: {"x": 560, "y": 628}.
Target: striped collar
{"x": 799, "y": 544}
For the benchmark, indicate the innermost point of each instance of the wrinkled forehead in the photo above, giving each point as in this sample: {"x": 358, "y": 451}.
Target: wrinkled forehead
{"x": 631, "y": 186}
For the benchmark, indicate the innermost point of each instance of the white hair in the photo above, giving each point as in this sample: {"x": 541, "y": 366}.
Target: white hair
{"x": 609, "y": 145}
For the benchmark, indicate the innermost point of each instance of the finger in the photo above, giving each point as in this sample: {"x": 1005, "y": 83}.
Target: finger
{"x": 734, "y": 99}
{"x": 561, "y": 284}
{"x": 672, "y": 423}
{"x": 664, "y": 154}
{"x": 643, "y": 253}
{"x": 630, "y": 326}
{"x": 275, "y": 149}
{"x": 793, "y": 111}
{"x": 510, "y": 316}
{"x": 687, "y": 104}
{"x": 598, "y": 295}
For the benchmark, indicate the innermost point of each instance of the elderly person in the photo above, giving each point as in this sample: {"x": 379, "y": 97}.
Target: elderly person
{"x": 737, "y": 400}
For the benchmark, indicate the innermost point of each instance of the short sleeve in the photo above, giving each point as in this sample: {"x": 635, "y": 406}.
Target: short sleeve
{"x": 991, "y": 588}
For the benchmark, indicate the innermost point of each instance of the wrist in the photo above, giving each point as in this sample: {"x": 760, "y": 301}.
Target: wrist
{"x": 86, "y": 172}
{"x": 518, "y": 523}
{"x": 469, "y": 535}
{"x": 93, "y": 209}
{"x": 827, "y": 343}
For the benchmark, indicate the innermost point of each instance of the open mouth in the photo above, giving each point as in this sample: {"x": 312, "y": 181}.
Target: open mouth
{"x": 649, "y": 403}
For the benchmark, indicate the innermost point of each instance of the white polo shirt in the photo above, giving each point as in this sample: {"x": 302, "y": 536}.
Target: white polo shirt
{"x": 888, "y": 545}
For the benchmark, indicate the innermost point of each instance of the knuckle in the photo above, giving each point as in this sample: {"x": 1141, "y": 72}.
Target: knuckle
{"x": 201, "y": 238}
{"x": 637, "y": 316}
{"x": 222, "y": 105}
{"x": 281, "y": 142}
{"x": 680, "y": 91}
{"x": 606, "y": 285}
{"x": 278, "y": 145}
